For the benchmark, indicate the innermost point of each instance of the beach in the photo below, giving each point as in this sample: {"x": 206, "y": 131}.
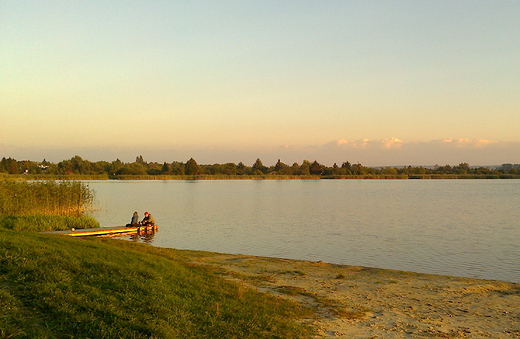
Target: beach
{"x": 363, "y": 302}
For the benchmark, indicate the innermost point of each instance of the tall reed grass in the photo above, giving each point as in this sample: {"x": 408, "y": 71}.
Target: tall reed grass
{"x": 63, "y": 198}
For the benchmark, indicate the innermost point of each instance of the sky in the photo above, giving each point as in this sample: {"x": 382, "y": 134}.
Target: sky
{"x": 383, "y": 83}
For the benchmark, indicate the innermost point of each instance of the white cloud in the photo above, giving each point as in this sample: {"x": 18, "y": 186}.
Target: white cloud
{"x": 464, "y": 142}
{"x": 392, "y": 143}
{"x": 366, "y": 143}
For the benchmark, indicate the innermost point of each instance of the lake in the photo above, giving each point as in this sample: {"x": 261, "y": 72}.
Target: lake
{"x": 466, "y": 228}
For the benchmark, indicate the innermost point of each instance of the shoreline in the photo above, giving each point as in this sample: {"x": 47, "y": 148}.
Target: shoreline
{"x": 87, "y": 177}
{"x": 364, "y": 302}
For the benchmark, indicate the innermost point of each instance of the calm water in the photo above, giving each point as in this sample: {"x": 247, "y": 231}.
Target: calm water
{"x": 457, "y": 227}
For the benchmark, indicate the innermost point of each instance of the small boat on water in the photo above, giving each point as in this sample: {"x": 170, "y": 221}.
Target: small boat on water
{"x": 109, "y": 231}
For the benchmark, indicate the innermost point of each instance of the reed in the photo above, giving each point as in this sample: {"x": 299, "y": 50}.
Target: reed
{"x": 63, "y": 198}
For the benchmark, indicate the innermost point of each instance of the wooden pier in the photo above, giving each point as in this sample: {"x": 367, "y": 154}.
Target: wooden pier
{"x": 109, "y": 231}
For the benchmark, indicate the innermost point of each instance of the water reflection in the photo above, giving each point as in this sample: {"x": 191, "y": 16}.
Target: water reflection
{"x": 144, "y": 238}
{"x": 136, "y": 237}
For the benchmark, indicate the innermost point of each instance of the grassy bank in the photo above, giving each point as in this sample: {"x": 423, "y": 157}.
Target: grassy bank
{"x": 45, "y": 223}
{"x": 59, "y": 287}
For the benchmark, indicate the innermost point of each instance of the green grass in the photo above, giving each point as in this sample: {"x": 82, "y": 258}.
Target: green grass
{"x": 59, "y": 287}
{"x": 45, "y": 223}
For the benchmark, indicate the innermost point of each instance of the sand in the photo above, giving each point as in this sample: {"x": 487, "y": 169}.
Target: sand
{"x": 362, "y": 302}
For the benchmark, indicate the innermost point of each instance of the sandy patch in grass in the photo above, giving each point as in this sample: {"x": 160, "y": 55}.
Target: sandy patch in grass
{"x": 361, "y": 302}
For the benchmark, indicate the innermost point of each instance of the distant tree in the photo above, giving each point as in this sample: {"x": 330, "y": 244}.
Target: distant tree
{"x": 177, "y": 168}
{"x": 316, "y": 168}
{"x": 115, "y": 166}
{"x": 229, "y": 169}
{"x": 258, "y": 167}
{"x": 140, "y": 160}
{"x": 335, "y": 170}
{"x": 101, "y": 167}
{"x": 153, "y": 168}
{"x": 241, "y": 168}
{"x": 165, "y": 168}
{"x": 443, "y": 169}
{"x": 358, "y": 169}
{"x": 24, "y": 166}
{"x": 482, "y": 170}
{"x": 346, "y": 165}
{"x": 420, "y": 170}
{"x": 245, "y": 170}
{"x": 9, "y": 165}
{"x": 282, "y": 169}
{"x": 305, "y": 168}
{"x": 191, "y": 167}
{"x": 462, "y": 168}
{"x": 215, "y": 169}
{"x": 66, "y": 166}
{"x": 389, "y": 171}
{"x": 79, "y": 165}
{"x": 132, "y": 169}
{"x": 506, "y": 167}
{"x": 296, "y": 169}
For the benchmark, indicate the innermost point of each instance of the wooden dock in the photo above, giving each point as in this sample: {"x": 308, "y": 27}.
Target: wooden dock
{"x": 109, "y": 231}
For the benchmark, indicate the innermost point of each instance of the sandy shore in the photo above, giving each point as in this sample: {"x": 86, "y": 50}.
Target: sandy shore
{"x": 361, "y": 302}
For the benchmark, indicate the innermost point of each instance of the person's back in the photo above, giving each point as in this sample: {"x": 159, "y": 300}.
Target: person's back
{"x": 135, "y": 219}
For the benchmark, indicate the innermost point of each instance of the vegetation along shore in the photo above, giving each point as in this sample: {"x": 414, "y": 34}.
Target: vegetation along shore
{"x": 78, "y": 168}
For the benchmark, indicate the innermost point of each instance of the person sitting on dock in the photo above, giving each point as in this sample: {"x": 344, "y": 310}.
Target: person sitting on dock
{"x": 148, "y": 220}
{"x": 135, "y": 220}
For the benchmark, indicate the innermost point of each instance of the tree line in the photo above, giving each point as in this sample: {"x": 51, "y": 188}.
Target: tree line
{"x": 79, "y": 166}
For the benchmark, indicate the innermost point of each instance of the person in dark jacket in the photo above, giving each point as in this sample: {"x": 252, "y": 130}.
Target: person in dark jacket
{"x": 135, "y": 219}
{"x": 148, "y": 220}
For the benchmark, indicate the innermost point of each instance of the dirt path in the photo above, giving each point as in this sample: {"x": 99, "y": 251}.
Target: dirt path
{"x": 361, "y": 302}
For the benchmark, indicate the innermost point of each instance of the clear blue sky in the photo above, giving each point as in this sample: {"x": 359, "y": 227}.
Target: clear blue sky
{"x": 230, "y": 81}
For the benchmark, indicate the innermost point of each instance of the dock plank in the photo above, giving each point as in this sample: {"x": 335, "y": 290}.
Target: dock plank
{"x": 107, "y": 231}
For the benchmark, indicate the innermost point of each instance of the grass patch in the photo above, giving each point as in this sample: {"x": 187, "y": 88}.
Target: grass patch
{"x": 293, "y": 290}
{"x": 294, "y": 272}
{"x": 64, "y": 287}
{"x": 45, "y": 223}
{"x": 335, "y": 307}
